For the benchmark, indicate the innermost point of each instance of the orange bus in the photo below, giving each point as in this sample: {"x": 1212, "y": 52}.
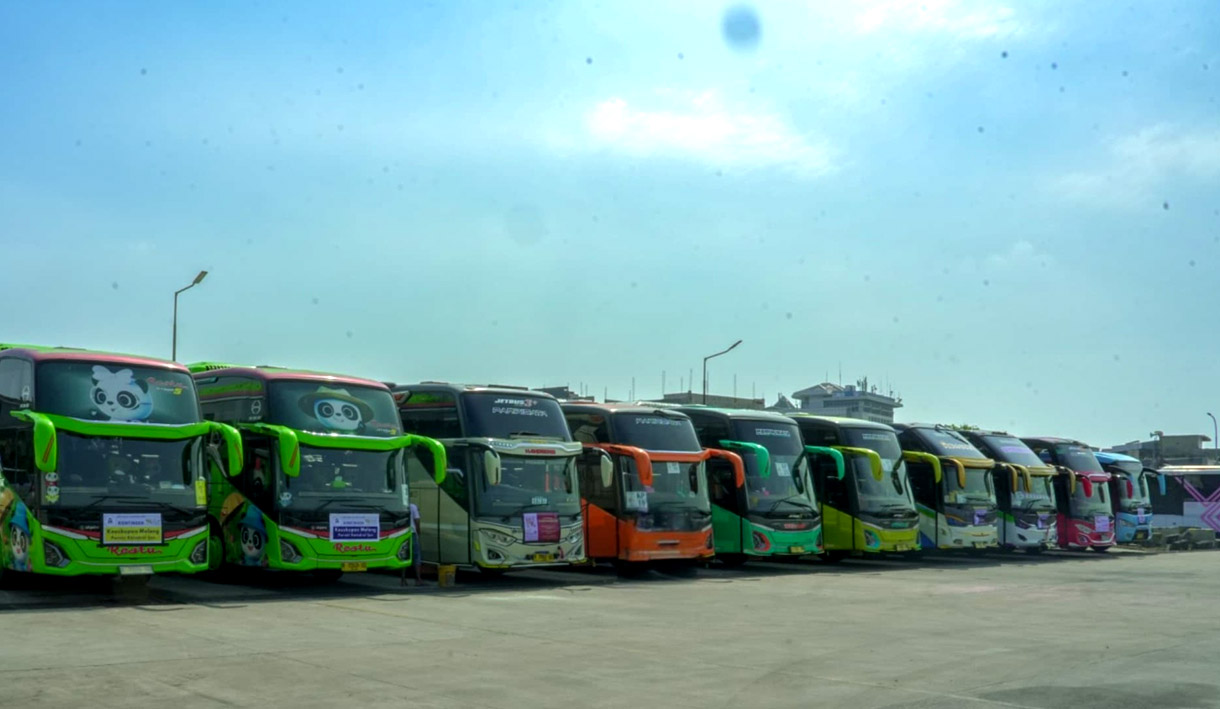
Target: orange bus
{"x": 656, "y": 509}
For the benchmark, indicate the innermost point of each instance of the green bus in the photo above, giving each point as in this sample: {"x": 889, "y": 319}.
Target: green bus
{"x": 775, "y": 512}
{"x": 871, "y": 510}
{"x": 323, "y": 487}
{"x": 103, "y": 464}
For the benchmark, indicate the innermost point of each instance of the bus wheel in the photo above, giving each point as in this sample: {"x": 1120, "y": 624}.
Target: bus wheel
{"x": 1034, "y": 550}
{"x": 833, "y": 557}
{"x": 491, "y": 572}
{"x": 732, "y": 561}
{"x": 1100, "y": 550}
{"x": 327, "y": 575}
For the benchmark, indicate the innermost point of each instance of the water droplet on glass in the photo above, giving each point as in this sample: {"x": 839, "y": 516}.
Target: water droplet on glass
{"x": 349, "y": 334}
{"x": 1054, "y": 65}
{"x": 143, "y": 71}
{"x": 1165, "y": 206}
{"x": 894, "y": 319}
{"x": 1192, "y": 263}
{"x": 1115, "y": 358}
{"x": 788, "y": 316}
{"x": 741, "y": 27}
{"x": 634, "y": 284}
{"x": 980, "y": 129}
{"x": 114, "y": 285}
{"x": 683, "y": 56}
{"x": 1124, "y": 73}
{"x": 1003, "y": 55}
{"x": 588, "y": 60}
{"x": 986, "y": 282}
{"x": 315, "y": 301}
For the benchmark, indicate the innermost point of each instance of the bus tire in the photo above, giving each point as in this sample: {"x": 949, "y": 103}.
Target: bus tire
{"x": 326, "y": 575}
{"x": 490, "y": 572}
{"x": 1034, "y": 550}
{"x": 833, "y": 557}
{"x": 1100, "y": 550}
{"x": 631, "y": 569}
{"x": 732, "y": 561}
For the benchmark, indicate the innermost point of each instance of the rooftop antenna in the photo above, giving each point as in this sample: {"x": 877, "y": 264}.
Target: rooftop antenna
{"x": 840, "y": 373}
{"x": 662, "y": 383}
{"x": 734, "y": 385}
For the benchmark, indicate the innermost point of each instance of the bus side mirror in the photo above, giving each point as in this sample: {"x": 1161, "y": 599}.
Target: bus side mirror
{"x": 46, "y": 442}
{"x": 961, "y": 470}
{"x": 234, "y": 449}
{"x": 440, "y": 458}
{"x": 605, "y": 466}
{"x": 739, "y": 466}
{"x": 1088, "y": 487}
{"x": 840, "y": 468}
{"x": 928, "y": 458}
{"x": 290, "y": 452}
{"x": 491, "y": 467}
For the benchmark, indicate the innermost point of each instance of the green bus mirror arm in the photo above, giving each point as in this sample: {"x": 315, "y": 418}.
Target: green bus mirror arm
{"x": 234, "y": 449}
{"x": 874, "y": 460}
{"x": 760, "y": 451}
{"x": 961, "y": 470}
{"x": 918, "y": 457}
{"x": 290, "y": 447}
{"x": 840, "y": 468}
{"x": 440, "y": 459}
{"x": 643, "y": 464}
{"x": 739, "y": 465}
{"x": 46, "y": 441}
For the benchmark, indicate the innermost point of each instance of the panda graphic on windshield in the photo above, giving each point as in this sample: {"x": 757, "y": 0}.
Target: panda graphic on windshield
{"x": 119, "y": 396}
{"x": 336, "y": 409}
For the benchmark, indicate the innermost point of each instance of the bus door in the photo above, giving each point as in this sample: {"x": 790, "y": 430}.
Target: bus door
{"x": 600, "y": 506}
{"x": 1002, "y": 484}
{"x": 840, "y": 503}
{"x": 728, "y": 508}
{"x": 929, "y": 498}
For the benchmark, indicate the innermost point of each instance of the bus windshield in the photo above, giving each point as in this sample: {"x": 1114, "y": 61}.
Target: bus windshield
{"x": 1077, "y": 457}
{"x": 1040, "y": 497}
{"x": 945, "y": 441}
{"x": 655, "y": 432}
{"x": 528, "y": 484}
{"x": 891, "y": 490}
{"x": 128, "y": 471}
{"x": 1133, "y": 474}
{"x": 1085, "y": 505}
{"x": 501, "y": 415}
{"x": 674, "y": 486}
{"x": 788, "y": 464}
{"x": 115, "y": 391}
{"x": 374, "y": 477}
{"x": 325, "y": 407}
{"x": 977, "y": 489}
{"x": 1011, "y": 449}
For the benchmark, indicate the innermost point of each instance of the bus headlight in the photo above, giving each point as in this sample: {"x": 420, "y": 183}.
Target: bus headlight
{"x": 199, "y": 555}
{"x": 498, "y": 537}
{"x": 761, "y": 543}
{"x": 289, "y": 553}
{"x": 53, "y": 555}
{"x": 404, "y": 551}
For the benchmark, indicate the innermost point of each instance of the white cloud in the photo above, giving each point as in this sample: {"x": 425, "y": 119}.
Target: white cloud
{"x": 699, "y": 126}
{"x": 967, "y": 20}
{"x": 1020, "y": 255}
{"x": 1137, "y": 165}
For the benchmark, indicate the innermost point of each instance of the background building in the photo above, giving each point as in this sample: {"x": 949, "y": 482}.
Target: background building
{"x": 854, "y": 400}
{"x": 727, "y": 402}
{"x": 1186, "y": 449}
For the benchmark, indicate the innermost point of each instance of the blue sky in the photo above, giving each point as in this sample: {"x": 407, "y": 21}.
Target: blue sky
{"x": 1010, "y": 212}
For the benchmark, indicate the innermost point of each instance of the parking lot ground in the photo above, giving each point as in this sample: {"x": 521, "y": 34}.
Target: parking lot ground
{"x": 1007, "y": 630}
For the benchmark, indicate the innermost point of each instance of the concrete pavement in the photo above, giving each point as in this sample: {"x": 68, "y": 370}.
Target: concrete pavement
{"x": 1061, "y": 630}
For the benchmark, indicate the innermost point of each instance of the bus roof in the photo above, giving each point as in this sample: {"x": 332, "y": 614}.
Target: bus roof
{"x": 473, "y": 388}
{"x": 840, "y": 421}
{"x": 748, "y": 414}
{"x": 1056, "y": 440}
{"x": 267, "y": 373}
{"x": 619, "y": 407}
{"x": 1180, "y": 470}
{"x": 1105, "y": 457}
{"x": 39, "y": 353}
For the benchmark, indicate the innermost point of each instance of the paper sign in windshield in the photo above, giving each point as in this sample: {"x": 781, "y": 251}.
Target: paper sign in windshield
{"x": 1101, "y": 523}
{"x": 673, "y": 468}
{"x": 1140, "y": 515}
{"x": 349, "y": 527}
{"x": 980, "y": 517}
{"x": 1043, "y": 520}
{"x": 127, "y": 529}
{"x": 541, "y": 526}
{"x": 637, "y": 500}
{"x": 783, "y": 469}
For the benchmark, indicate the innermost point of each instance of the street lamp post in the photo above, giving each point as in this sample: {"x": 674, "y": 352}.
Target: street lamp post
{"x": 1215, "y": 432}
{"x": 197, "y": 281}
{"x": 705, "y": 359}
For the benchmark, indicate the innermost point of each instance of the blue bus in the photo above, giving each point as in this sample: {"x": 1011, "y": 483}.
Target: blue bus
{"x": 1129, "y": 495}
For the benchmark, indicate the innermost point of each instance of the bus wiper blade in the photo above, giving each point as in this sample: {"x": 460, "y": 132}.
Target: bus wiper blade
{"x": 789, "y": 500}
{"x": 126, "y": 498}
{"x": 521, "y": 510}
